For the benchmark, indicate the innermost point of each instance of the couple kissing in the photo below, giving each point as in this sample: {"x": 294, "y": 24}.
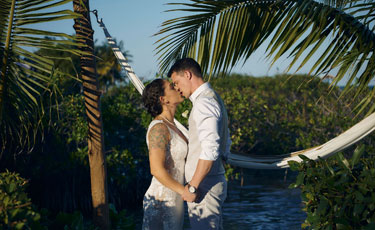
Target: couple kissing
{"x": 185, "y": 168}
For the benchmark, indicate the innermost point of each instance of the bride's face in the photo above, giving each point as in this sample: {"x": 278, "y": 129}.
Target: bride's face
{"x": 171, "y": 95}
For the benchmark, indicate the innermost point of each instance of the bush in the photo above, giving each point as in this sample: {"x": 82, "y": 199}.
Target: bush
{"x": 121, "y": 220}
{"x": 18, "y": 212}
{"x": 16, "y": 209}
{"x": 338, "y": 193}
{"x": 274, "y": 115}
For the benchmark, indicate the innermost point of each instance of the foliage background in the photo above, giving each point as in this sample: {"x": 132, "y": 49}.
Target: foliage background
{"x": 268, "y": 115}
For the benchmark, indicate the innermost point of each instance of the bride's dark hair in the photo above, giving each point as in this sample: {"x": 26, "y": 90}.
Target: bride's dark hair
{"x": 151, "y": 97}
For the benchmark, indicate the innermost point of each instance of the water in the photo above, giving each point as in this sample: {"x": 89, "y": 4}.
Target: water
{"x": 263, "y": 202}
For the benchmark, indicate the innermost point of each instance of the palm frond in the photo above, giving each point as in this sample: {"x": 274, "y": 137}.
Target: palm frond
{"x": 336, "y": 3}
{"x": 219, "y": 34}
{"x": 26, "y": 76}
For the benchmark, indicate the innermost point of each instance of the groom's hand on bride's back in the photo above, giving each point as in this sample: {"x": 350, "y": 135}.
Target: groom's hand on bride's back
{"x": 188, "y": 196}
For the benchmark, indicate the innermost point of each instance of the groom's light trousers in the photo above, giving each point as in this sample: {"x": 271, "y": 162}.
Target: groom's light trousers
{"x": 206, "y": 213}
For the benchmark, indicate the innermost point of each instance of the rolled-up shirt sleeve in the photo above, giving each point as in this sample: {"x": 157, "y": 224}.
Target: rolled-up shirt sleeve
{"x": 207, "y": 115}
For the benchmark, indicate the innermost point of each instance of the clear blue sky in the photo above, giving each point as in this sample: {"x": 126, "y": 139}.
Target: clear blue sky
{"x": 134, "y": 22}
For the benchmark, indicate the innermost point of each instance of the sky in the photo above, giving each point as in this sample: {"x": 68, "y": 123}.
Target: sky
{"x": 135, "y": 21}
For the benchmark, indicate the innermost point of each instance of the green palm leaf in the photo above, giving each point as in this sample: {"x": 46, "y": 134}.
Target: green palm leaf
{"x": 220, "y": 34}
{"x": 26, "y": 76}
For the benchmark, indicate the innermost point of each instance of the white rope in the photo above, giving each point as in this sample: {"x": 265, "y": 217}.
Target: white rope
{"x": 122, "y": 60}
{"x": 344, "y": 140}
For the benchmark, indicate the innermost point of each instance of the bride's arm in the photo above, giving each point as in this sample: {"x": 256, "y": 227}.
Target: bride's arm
{"x": 158, "y": 143}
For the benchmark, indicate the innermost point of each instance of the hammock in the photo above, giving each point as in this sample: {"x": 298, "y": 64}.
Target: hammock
{"x": 344, "y": 140}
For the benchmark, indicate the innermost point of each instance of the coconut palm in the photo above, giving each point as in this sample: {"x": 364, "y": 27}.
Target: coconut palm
{"x": 67, "y": 63}
{"x": 92, "y": 93}
{"x": 26, "y": 76}
{"x": 220, "y": 34}
{"x": 108, "y": 68}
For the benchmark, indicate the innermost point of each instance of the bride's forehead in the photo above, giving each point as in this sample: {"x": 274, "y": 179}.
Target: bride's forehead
{"x": 167, "y": 81}
{"x": 167, "y": 84}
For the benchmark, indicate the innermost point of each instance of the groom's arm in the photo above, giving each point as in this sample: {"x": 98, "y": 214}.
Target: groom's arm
{"x": 203, "y": 168}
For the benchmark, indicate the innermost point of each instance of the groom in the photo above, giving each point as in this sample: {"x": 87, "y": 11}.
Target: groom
{"x": 209, "y": 144}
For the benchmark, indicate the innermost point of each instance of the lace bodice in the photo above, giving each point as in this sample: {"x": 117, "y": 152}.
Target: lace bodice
{"x": 175, "y": 154}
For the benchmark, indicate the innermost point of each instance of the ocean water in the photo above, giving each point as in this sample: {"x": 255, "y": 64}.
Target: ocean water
{"x": 263, "y": 202}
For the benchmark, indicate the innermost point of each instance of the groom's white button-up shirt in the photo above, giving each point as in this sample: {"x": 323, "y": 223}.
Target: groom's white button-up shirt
{"x": 207, "y": 115}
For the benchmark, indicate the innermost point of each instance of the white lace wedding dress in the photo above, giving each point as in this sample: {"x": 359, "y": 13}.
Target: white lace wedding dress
{"x": 163, "y": 208}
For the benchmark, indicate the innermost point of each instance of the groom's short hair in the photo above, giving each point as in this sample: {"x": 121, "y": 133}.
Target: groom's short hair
{"x": 186, "y": 64}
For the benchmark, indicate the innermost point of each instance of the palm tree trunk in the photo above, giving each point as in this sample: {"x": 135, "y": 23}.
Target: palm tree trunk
{"x": 98, "y": 171}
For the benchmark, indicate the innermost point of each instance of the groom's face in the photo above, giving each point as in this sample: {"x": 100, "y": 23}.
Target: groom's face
{"x": 181, "y": 83}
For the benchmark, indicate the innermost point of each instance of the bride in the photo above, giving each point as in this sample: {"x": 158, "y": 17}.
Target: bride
{"x": 162, "y": 204}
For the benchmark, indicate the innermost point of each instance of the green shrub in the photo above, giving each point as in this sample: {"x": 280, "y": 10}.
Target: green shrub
{"x": 16, "y": 209}
{"x": 338, "y": 193}
{"x": 69, "y": 221}
{"x": 274, "y": 115}
{"x": 120, "y": 220}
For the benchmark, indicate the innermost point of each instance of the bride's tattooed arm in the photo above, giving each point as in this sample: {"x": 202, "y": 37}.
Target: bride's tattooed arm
{"x": 158, "y": 137}
{"x": 158, "y": 145}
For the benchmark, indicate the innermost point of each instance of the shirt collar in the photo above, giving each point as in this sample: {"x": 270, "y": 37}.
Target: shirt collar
{"x": 198, "y": 91}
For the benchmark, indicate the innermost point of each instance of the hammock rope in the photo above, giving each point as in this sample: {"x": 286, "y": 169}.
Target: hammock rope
{"x": 339, "y": 143}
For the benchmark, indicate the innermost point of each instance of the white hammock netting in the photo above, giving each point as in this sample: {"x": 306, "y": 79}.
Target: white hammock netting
{"x": 344, "y": 140}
